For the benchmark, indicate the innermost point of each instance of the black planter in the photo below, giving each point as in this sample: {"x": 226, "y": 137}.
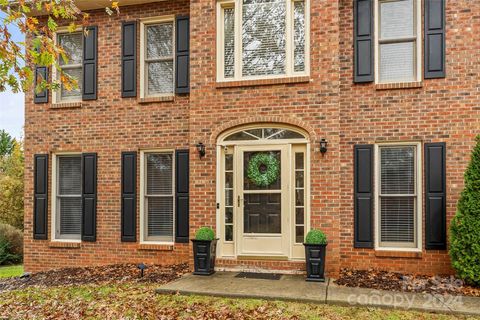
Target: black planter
{"x": 204, "y": 256}
{"x": 315, "y": 259}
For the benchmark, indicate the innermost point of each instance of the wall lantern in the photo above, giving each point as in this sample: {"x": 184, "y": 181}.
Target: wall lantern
{"x": 201, "y": 149}
{"x": 323, "y": 146}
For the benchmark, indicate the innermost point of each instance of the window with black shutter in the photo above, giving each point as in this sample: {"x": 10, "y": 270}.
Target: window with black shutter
{"x": 158, "y": 197}
{"x": 79, "y": 64}
{"x": 398, "y": 195}
{"x": 157, "y": 58}
{"x": 68, "y": 197}
{"x": 74, "y": 185}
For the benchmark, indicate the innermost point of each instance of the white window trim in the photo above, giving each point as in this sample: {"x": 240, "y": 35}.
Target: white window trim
{"x": 143, "y": 82}
{"x": 143, "y": 180}
{"x": 53, "y": 197}
{"x": 419, "y": 203}
{"x": 56, "y": 93}
{"x": 418, "y": 42}
{"x": 237, "y": 4}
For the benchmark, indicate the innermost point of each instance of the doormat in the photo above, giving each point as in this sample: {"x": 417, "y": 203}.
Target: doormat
{"x": 264, "y": 276}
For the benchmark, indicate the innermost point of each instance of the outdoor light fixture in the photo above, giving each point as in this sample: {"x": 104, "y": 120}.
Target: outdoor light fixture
{"x": 142, "y": 268}
{"x": 323, "y": 146}
{"x": 201, "y": 149}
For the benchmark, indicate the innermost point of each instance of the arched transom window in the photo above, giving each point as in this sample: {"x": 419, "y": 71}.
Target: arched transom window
{"x": 267, "y": 133}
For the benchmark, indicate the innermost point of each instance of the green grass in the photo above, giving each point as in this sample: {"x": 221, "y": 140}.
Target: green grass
{"x": 11, "y": 271}
{"x": 138, "y": 301}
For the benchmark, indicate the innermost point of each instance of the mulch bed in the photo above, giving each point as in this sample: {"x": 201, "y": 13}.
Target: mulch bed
{"x": 119, "y": 273}
{"x": 383, "y": 280}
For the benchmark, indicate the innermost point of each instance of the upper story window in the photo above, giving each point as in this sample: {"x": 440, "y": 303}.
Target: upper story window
{"x": 262, "y": 39}
{"x": 398, "y": 36}
{"x": 72, "y": 43}
{"x": 157, "y": 57}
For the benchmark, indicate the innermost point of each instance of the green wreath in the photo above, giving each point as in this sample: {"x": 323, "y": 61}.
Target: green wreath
{"x": 263, "y": 169}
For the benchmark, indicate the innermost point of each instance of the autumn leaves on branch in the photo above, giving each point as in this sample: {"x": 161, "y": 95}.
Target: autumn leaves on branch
{"x": 38, "y": 20}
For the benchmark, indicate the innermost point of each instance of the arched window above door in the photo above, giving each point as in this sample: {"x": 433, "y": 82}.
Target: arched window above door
{"x": 264, "y": 133}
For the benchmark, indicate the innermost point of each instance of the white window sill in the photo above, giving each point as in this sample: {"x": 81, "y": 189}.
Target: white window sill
{"x": 67, "y": 240}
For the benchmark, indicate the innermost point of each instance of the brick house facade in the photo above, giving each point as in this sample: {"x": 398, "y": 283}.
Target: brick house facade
{"x": 324, "y": 103}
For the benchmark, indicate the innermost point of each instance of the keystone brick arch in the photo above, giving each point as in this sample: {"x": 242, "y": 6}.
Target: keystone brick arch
{"x": 312, "y": 136}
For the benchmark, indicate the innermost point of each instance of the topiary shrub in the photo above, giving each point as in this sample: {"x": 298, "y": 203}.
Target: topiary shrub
{"x": 315, "y": 237}
{"x": 13, "y": 236}
{"x": 465, "y": 226}
{"x": 205, "y": 233}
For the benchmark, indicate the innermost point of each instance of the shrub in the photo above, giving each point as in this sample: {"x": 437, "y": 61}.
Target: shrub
{"x": 13, "y": 236}
{"x": 205, "y": 233}
{"x": 316, "y": 237}
{"x": 6, "y": 254}
{"x": 465, "y": 226}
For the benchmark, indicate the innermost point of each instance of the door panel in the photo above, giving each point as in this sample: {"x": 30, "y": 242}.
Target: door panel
{"x": 262, "y": 211}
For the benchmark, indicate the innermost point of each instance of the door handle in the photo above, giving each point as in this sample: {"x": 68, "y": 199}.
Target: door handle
{"x": 239, "y": 201}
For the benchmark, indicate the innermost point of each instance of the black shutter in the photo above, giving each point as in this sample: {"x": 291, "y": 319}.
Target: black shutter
{"x": 182, "y": 177}
{"x": 434, "y": 39}
{"x": 90, "y": 57}
{"x": 41, "y": 72}
{"x": 182, "y": 55}
{"x": 435, "y": 196}
{"x": 129, "y": 196}
{"x": 363, "y": 41}
{"x": 40, "y": 205}
{"x": 363, "y": 202}
{"x": 89, "y": 196}
{"x": 129, "y": 59}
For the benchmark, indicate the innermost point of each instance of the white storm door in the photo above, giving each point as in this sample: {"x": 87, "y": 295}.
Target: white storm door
{"x": 263, "y": 212}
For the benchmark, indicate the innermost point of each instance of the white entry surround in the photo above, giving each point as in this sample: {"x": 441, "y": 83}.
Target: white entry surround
{"x": 263, "y": 221}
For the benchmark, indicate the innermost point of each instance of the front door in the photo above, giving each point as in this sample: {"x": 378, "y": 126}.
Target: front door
{"x": 262, "y": 200}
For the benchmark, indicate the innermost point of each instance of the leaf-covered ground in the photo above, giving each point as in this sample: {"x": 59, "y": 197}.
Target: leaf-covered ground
{"x": 383, "y": 280}
{"x": 117, "y": 292}
{"x": 138, "y": 301}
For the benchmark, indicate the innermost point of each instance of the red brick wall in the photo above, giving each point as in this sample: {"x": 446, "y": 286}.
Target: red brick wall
{"x": 444, "y": 110}
{"x": 107, "y": 126}
{"x": 327, "y": 106}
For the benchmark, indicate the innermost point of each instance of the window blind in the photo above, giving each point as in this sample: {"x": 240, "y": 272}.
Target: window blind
{"x": 263, "y": 37}
{"x": 397, "y": 194}
{"x": 396, "y": 19}
{"x": 69, "y": 197}
{"x": 299, "y": 35}
{"x": 159, "y": 58}
{"x": 159, "y": 197}
{"x": 397, "y": 62}
{"x": 397, "y": 41}
{"x": 229, "y": 42}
